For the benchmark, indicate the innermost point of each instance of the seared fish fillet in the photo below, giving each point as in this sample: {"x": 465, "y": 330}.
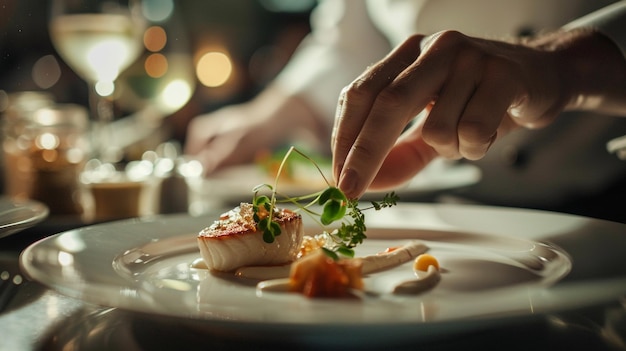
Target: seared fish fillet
{"x": 234, "y": 241}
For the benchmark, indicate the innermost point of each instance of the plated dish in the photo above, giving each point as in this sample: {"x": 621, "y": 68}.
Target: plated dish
{"x": 496, "y": 263}
{"x": 19, "y": 215}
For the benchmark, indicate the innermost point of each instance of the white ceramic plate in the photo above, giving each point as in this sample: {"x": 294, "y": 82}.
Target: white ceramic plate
{"x": 497, "y": 263}
{"x": 19, "y": 215}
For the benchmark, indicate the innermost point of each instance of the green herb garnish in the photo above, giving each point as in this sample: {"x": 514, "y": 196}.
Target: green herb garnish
{"x": 335, "y": 207}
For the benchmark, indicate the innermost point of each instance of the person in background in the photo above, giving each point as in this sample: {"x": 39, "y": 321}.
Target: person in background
{"x": 560, "y": 166}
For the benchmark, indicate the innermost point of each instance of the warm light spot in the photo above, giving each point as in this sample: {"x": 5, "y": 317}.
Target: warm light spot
{"x": 191, "y": 169}
{"x": 156, "y": 65}
{"x": 176, "y": 94}
{"x": 214, "y": 69}
{"x": 155, "y": 38}
{"x": 47, "y": 141}
{"x": 105, "y": 88}
{"x": 65, "y": 258}
{"x": 108, "y": 57}
{"x": 75, "y": 155}
{"x": 50, "y": 155}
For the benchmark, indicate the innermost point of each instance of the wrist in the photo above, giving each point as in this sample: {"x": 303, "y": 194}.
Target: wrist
{"x": 591, "y": 68}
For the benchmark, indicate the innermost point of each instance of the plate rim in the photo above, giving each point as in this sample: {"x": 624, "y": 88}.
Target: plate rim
{"x": 36, "y": 212}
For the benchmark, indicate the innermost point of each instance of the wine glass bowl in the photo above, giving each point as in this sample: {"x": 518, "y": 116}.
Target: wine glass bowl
{"x": 97, "y": 42}
{"x": 98, "y": 39}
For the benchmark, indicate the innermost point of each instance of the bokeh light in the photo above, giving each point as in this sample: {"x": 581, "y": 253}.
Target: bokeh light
{"x": 156, "y": 65}
{"x": 176, "y": 94}
{"x": 214, "y": 69}
{"x": 47, "y": 141}
{"x": 157, "y": 10}
{"x": 155, "y": 38}
{"x": 46, "y": 71}
{"x": 105, "y": 87}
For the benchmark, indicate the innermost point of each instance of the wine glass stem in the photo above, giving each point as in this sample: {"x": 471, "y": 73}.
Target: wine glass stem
{"x": 104, "y": 144}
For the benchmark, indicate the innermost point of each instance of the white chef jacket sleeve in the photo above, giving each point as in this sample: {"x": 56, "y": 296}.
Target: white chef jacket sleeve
{"x": 342, "y": 43}
{"x": 610, "y": 20}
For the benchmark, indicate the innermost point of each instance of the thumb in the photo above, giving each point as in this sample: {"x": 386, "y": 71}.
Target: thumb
{"x": 407, "y": 157}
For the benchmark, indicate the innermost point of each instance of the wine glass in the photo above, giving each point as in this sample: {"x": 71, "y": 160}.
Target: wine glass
{"x": 98, "y": 39}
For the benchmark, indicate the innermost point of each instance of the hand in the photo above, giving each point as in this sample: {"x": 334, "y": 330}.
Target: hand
{"x": 236, "y": 134}
{"x": 475, "y": 91}
{"x": 225, "y": 137}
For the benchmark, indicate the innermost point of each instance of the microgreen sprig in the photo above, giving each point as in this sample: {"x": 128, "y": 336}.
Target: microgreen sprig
{"x": 352, "y": 231}
{"x": 335, "y": 207}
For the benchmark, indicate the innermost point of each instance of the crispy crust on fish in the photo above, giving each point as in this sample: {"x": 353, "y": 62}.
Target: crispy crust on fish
{"x": 234, "y": 240}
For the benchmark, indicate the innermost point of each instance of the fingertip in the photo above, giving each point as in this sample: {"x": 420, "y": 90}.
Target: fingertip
{"x": 349, "y": 184}
{"x": 208, "y": 162}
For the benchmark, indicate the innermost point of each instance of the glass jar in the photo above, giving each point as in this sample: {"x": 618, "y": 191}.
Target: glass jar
{"x": 44, "y": 154}
{"x": 16, "y": 117}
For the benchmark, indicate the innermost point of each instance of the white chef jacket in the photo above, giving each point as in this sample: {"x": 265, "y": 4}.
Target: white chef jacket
{"x": 539, "y": 168}
{"x": 349, "y": 35}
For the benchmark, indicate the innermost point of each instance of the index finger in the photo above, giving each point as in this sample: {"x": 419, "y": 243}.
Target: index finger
{"x": 357, "y": 100}
{"x": 367, "y": 128}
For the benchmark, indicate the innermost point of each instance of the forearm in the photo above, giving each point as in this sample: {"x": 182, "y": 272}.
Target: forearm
{"x": 602, "y": 63}
{"x": 592, "y": 69}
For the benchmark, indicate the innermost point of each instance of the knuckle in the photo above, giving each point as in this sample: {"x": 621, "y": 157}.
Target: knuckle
{"x": 438, "y": 135}
{"x": 342, "y": 142}
{"x": 414, "y": 40}
{"x": 365, "y": 149}
{"x": 392, "y": 97}
{"x": 443, "y": 41}
{"x": 475, "y": 132}
{"x": 451, "y": 36}
{"x": 359, "y": 90}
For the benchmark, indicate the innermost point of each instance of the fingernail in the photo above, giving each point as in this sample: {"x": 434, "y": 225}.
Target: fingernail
{"x": 338, "y": 113}
{"x": 348, "y": 183}
{"x": 337, "y": 172}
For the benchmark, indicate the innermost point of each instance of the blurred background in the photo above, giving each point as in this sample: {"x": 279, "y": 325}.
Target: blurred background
{"x": 234, "y": 47}
{"x": 197, "y": 56}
